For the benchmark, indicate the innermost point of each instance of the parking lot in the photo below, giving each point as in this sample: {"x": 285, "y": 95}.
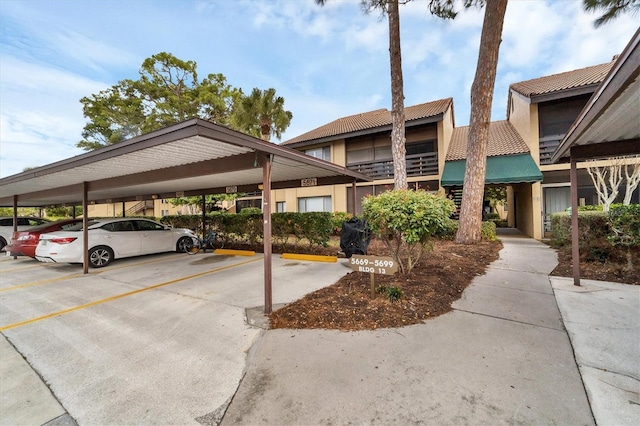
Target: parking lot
{"x": 157, "y": 339}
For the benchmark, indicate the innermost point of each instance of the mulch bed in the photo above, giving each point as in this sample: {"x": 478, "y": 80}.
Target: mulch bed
{"x": 434, "y": 284}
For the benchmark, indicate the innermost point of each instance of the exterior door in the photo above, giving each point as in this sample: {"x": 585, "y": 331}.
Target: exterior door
{"x": 556, "y": 199}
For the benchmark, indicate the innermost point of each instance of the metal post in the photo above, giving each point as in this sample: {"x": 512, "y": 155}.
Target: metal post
{"x": 124, "y": 208}
{"x": 266, "y": 214}
{"x": 354, "y": 197}
{"x": 85, "y": 225}
{"x": 575, "y": 249}
{"x": 204, "y": 215}
{"x": 15, "y": 218}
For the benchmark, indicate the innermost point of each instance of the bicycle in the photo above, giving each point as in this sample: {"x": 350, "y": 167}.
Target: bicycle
{"x": 212, "y": 240}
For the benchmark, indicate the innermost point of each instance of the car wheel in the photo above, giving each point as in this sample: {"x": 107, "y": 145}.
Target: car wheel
{"x": 100, "y": 256}
{"x": 2, "y": 243}
{"x": 184, "y": 245}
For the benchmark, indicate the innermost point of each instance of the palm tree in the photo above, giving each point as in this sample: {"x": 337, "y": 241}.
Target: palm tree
{"x": 262, "y": 114}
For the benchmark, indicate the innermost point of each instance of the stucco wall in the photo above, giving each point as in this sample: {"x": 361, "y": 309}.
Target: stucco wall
{"x": 523, "y": 116}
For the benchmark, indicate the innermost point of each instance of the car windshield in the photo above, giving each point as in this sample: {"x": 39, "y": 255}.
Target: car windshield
{"x": 79, "y": 227}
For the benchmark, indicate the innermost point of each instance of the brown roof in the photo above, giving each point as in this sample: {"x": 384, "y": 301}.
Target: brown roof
{"x": 503, "y": 140}
{"x": 563, "y": 81}
{"x": 372, "y": 120}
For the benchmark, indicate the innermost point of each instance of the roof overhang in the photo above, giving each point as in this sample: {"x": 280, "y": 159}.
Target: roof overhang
{"x": 609, "y": 124}
{"x": 502, "y": 169}
{"x": 563, "y": 94}
{"x": 191, "y": 158}
{"x": 370, "y": 131}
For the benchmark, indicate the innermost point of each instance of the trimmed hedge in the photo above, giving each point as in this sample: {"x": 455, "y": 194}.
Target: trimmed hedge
{"x": 600, "y": 232}
{"x": 246, "y": 227}
{"x": 591, "y": 225}
{"x": 488, "y": 230}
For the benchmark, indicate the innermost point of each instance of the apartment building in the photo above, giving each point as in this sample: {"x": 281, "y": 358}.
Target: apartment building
{"x": 539, "y": 113}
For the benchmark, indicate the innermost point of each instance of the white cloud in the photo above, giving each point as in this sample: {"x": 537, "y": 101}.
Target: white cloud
{"x": 328, "y": 62}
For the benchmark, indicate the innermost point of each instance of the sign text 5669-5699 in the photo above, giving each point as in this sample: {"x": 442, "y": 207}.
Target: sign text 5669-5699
{"x": 373, "y": 264}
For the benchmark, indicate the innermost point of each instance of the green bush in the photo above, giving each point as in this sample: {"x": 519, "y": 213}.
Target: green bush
{"x": 251, "y": 211}
{"x": 393, "y": 293}
{"x": 405, "y": 220}
{"x": 247, "y": 227}
{"x": 450, "y": 229}
{"x": 488, "y": 231}
{"x": 625, "y": 227}
{"x": 338, "y": 219}
{"x": 592, "y": 225}
{"x": 590, "y": 208}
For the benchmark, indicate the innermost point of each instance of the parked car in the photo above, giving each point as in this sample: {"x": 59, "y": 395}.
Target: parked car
{"x": 23, "y": 243}
{"x": 24, "y": 222}
{"x": 111, "y": 239}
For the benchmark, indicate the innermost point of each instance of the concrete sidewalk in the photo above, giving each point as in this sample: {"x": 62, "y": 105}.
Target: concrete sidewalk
{"x": 501, "y": 357}
{"x": 603, "y": 322}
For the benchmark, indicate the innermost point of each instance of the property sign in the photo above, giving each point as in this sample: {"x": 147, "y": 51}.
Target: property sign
{"x": 309, "y": 182}
{"x": 231, "y": 189}
{"x": 373, "y": 264}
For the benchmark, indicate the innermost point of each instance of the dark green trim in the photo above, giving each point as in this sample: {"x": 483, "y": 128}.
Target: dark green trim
{"x": 503, "y": 169}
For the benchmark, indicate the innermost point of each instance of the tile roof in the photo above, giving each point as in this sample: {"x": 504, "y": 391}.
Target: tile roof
{"x": 563, "y": 81}
{"x": 372, "y": 120}
{"x": 503, "y": 140}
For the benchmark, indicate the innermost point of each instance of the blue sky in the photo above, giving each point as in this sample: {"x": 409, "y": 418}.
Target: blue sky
{"x": 326, "y": 62}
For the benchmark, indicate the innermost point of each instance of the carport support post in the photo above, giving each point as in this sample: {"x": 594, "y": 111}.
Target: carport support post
{"x": 15, "y": 218}
{"x": 204, "y": 215}
{"x": 575, "y": 249}
{"x": 85, "y": 224}
{"x": 355, "y": 198}
{"x": 266, "y": 214}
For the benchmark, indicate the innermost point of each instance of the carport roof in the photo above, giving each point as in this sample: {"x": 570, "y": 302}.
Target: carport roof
{"x": 191, "y": 158}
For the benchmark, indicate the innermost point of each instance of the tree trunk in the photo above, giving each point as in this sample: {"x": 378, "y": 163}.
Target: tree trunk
{"x": 398, "y": 148}
{"x": 469, "y": 230}
{"x": 265, "y": 129}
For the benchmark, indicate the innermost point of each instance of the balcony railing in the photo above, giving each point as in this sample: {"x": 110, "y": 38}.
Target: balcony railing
{"x": 425, "y": 164}
{"x": 548, "y": 146}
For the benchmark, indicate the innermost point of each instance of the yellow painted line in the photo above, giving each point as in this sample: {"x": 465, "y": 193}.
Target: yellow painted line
{"x": 230, "y": 252}
{"x": 119, "y": 296}
{"x": 311, "y": 257}
{"x": 51, "y": 280}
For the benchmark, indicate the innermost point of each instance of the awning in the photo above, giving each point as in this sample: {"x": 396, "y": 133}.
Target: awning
{"x": 502, "y": 169}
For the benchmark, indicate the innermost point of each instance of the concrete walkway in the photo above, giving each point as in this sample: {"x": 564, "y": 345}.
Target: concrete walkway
{"x": 501, "y": 357}
{"x": 603, "y": 322}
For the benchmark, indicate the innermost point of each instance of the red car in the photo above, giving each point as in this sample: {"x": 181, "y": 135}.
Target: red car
{"x": 23, "y": 243}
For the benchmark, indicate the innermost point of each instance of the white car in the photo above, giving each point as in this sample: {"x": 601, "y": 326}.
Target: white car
{"x": 111, "y": 239}
{"x": 24, "y": 222}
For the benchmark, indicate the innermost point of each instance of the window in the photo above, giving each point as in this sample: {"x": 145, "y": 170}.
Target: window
{"x": 420, "y": 147}
{"x": 323, "y": 153}
{"x": 281, "y": 206}
{"x": 145, "y": 225}
{"x": 314, "y": 204}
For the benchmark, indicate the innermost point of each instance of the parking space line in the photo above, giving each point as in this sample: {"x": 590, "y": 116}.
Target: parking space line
{"x": 119, "y": 296}
{"x": 53, "y": 280}
{"x": 47, "y": 281}
{"x": 39, "y": 265}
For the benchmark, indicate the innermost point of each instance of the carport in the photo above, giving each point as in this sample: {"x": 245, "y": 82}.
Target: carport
{"x": 192, "y": 158}
{"x": 608, "y": 126}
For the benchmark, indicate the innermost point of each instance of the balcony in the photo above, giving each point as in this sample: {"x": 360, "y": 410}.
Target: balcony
{"x": 424, "y": 164}
{"x": 548, "y": 146}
